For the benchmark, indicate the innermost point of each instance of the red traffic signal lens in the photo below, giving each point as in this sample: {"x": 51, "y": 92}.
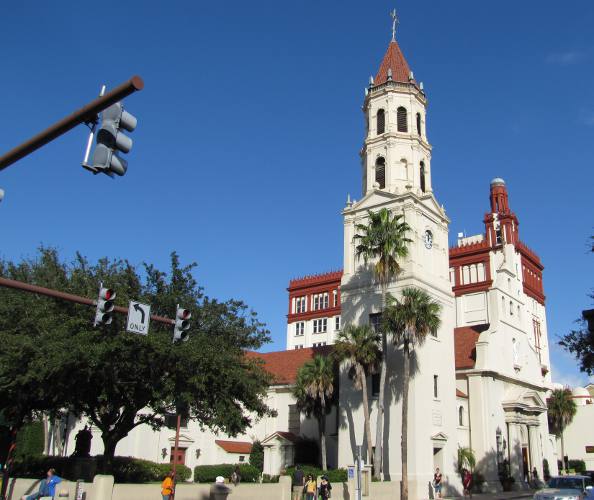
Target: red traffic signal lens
{"x": 108, "y": 294}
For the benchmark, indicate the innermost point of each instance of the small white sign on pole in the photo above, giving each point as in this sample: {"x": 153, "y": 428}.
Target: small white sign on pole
{"x": 139, "y": 316}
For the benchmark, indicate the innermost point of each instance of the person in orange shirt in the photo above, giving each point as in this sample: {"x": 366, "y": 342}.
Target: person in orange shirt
{"x": 167, "y": 486}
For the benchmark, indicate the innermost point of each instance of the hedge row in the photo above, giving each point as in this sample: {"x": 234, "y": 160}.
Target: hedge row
{"x": 334, "y": 475}
{"x": 208, "y": 473}
{"x": 125, "y": 469}
{"x": 578, "y": 465}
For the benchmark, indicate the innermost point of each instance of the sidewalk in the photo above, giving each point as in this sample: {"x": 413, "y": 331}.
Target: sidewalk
{"x": 506, "y": 495}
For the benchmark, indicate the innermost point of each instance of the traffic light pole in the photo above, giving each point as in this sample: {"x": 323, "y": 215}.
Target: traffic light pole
{"x": 56, "y": 294}
{"x": 175, "y": 448}
{"x": 86, "y": 114}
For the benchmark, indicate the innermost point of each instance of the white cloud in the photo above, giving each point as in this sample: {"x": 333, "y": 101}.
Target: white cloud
{"x": 565, "y": 58}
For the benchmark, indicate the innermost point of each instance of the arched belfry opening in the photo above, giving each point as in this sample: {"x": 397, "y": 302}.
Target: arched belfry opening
{"x": 422, "y": 176}
{"x": 401, "y": 119}
{"x": 381, "y": 121}
{"x": 380, "y": 172}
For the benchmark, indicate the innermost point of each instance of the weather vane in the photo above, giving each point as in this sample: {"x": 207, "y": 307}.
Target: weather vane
{"x": 394, "y": 24}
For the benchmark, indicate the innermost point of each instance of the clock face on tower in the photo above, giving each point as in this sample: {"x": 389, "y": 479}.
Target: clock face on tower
{"x": 428, "y": 239}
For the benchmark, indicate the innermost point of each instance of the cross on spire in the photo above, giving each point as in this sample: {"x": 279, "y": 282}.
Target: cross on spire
{"x": 395, "y": 22}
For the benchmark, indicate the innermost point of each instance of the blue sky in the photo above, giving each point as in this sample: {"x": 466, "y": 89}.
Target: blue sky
{"x": 250, "y": 125}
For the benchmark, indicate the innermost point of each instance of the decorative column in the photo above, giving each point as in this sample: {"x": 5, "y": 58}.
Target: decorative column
{"x": 515, "y": 453}
{"x": 535, "y": 450}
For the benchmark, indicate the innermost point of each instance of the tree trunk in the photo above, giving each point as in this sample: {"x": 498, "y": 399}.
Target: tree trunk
{"x": 563, "y": 453}
{"x": 323, "y": 436}
{"x": 379, "y": 430}
{"x": 404, "y": 438}
{"x": 110, "y": 442}
{"x": 367, "y": 429}
{"x": 46, "y": 434}
{"x": 57, "y": 427}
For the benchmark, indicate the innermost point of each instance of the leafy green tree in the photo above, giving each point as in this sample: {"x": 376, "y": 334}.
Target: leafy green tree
{"x": 313, "y": 391}
{"x": 561, "y": 410}
{"x": 466, "y": 459}
{"x": 411, "y": 318}
{"x": 53, "y": 359}
{"x": 383, "y": 241}
{"x": 257, "y": 456}
{"x": 358, "y": 347}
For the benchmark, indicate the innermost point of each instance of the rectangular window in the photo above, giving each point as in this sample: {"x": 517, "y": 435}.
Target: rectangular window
{"x": 337, "y": 323}
{"x": 171, "y": 421}
{"x": 316, "y": 302}
{"x": 300, "y": 305}
{"x": 335, "y": 298}
{"x": 375, "y": 321}
{"x": 319, "y": 344}
{"x": 300, "y": 346}
{"x": 435, "y": 391}
{"x": 242, "y": 458}
{"x": 294, "y": 423}
{"x": 299, "y": 328}
{"x": 326, "y": 300}
{"x": 320, "y": 325}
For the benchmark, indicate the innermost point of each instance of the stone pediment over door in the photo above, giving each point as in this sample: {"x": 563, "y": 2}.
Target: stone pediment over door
{"x": 522, "y": 400}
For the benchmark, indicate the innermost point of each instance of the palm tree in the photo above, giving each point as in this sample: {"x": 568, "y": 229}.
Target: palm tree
{"x": 358, "y": 346}
{"x": 466, "y": 459}
{"x": 382, "y": 240}
{"x": 411, "y": 318}
{"x": 313, "y": 390}
{"x": 562, "y": 409}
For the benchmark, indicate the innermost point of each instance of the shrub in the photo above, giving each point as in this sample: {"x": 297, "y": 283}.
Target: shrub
{"x": 545, "y": 469}
{"x": 578, "y": 465}
{"x": 257, "y": 456}
{"x": 477, "y": 482}
{"x": 334, "y": 475}
{"x": 30, "y": 440}
{"x": 267, "y": 478}
{"x": 125, "y": 469}
{"x": 208, "y": 473}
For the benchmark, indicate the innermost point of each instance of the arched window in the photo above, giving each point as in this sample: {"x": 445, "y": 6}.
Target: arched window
{"x": 422, "y": 176}
{"x": 381, "y": 121}
{"x": 419, "y": 123}
{"x": 511, "y": 308}
{"x": 401, "y": 119}
{"x": 461, "y": 416}
{"x": 380, "y": 172}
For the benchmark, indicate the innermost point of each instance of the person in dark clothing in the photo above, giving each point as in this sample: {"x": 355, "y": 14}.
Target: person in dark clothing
{"x": 325, "y": 488}
{"x": 467, "y": 483}
{"x": 298, "y": 484}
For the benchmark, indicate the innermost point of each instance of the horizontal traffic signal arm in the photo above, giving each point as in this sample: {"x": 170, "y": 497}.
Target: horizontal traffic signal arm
{"x": 86, "y": 114}
{"x": 56, "y": 294}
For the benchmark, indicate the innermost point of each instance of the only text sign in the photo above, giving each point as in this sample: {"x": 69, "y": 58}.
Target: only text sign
{"x": 139, "y": 316}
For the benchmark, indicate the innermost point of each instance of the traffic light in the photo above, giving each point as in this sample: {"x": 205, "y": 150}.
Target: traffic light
{"x": 182, "y": 324}
{"x": 105, "y": 306}
{"x": 110, "y": 140}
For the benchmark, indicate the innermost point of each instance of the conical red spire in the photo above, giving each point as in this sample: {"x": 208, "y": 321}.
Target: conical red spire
{"x": 394, "y": 60}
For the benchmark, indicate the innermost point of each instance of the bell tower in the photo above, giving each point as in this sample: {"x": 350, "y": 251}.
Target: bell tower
{"x": 396, "y": 168}
{"x": 396, "y": 155}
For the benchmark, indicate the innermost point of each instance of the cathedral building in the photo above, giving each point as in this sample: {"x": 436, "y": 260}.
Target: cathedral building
{"x": 479, "y": 382}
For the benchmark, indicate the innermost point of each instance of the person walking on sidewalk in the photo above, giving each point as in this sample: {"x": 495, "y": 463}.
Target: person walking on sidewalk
{"x": 325, "y": 488}
{"x": 167, "y": 486}
{"x": 467, "y": 483}
{"x": 310, "y": 488}
{"x": 437, "y": 483}
{"x": 298, "y": 484}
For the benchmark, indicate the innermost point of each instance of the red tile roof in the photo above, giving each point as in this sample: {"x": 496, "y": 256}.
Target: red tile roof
{"x": 395, "y": 60}
{"x": 460, "y": 394}
{"x": 284, "y": 365}
{"x": 242, "y": 447}
{"x": 465, "y": 339}
{"x": 316, "y": 279}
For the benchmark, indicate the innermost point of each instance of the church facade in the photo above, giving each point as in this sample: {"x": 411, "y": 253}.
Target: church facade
{"x": 480, "y": 382}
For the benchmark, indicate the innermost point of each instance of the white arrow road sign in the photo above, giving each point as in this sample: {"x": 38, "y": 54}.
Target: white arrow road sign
{"x": 139, "y": 316}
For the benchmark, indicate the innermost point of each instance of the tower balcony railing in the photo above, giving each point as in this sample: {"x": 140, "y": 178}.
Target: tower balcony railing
{"x": 396, "y": 85}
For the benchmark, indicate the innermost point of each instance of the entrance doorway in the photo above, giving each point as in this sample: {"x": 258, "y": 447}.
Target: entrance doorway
{"x": 437, "y": 458}
{"x": 181, "y": 456}
{"x": 525, "y": 464}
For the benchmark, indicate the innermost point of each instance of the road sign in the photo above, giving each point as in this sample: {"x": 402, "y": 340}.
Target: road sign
{"x": 139, "y": 316}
